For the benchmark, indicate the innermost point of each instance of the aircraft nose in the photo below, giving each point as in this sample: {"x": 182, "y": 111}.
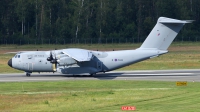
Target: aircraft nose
{"x": 10, "y": 62}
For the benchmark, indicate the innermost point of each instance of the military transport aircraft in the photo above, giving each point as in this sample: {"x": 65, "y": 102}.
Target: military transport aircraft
{"x": 80, "y": 61}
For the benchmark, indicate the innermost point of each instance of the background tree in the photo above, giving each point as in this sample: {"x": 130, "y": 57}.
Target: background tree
{"x": 101, "y": 19}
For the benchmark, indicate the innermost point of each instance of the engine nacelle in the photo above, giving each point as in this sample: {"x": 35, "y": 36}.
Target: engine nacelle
{"x": 64, "y": 61}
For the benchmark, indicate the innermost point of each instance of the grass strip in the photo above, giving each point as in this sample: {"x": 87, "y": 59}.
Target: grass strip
{"x": 99, "y": 95}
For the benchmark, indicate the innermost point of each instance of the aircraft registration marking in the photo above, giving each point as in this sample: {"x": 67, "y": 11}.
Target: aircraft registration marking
{"x": 39, "y": 55}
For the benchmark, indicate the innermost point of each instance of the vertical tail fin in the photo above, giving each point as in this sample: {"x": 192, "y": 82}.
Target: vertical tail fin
{"x": 164, "y": 33}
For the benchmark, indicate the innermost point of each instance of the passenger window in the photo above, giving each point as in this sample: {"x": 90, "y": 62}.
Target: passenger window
{"x": 18, "y": 56}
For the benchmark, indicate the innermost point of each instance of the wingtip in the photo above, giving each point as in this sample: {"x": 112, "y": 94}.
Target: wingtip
{"x": 189, "y": 21}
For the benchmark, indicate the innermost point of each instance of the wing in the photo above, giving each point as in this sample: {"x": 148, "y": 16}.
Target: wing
{"x": 79, "y": 55}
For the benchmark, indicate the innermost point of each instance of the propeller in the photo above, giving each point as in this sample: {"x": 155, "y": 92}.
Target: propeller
{"x": 51, "y": 57}
{"x": 53, "y": 60}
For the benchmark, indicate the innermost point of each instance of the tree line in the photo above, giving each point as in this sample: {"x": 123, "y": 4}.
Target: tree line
{"x": 94, "y": 19}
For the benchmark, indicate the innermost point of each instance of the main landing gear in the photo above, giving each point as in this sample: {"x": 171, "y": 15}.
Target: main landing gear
{"x": 28, "y": 74}
{"x": 92, "y": 74}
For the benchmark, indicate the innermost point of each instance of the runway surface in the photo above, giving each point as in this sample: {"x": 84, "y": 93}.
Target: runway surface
{"x": 153, "y": 75}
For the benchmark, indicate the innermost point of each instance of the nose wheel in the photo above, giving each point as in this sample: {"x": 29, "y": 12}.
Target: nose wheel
{"x": 28, "y": 74}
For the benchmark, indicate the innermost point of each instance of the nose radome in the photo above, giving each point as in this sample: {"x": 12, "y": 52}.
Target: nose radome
{"x": 10, "y": 62}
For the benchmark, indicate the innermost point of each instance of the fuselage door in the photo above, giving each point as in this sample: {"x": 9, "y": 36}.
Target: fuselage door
{"x": 30, "y": 66}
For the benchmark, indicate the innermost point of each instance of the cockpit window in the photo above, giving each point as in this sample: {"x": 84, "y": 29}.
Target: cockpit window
{"x": 17, "y": 56}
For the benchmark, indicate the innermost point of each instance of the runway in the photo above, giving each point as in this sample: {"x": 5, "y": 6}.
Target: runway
{"x": 151, "y": 75}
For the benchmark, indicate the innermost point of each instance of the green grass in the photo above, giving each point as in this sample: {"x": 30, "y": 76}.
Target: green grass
{"x": 102, "y": 47}
{"x": 99, "y": 95}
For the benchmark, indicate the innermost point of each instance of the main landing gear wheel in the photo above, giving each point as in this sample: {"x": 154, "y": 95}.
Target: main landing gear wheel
{"x": 92, "y": 74}
{"x": 28, "y": 74}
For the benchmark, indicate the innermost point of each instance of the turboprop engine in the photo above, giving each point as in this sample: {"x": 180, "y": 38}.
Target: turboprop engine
{"x": 53, "y": 60}
{"x": 60, "y": 59}
{"x": 65, "y": 61}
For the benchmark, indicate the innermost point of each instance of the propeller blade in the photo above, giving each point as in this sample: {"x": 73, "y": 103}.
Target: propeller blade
{"x": 50, "y": 58}
{"x": 51, "y": 55}
{"x": 54, "y": 67}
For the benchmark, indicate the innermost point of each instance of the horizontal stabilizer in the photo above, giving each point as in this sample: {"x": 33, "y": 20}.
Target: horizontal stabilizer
{"x": 169, "y": 20}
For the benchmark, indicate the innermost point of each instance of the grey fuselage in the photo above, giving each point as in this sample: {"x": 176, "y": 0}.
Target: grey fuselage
{"x": 36, "y": 61}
